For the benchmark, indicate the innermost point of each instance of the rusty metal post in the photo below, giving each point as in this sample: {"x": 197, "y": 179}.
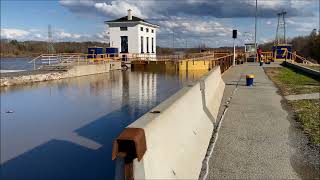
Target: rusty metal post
{"x": 129, "y": 145}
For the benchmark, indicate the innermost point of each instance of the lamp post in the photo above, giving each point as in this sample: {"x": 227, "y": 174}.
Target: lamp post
{"x": 234, "y": 36}
{"x": 255, "y": 31}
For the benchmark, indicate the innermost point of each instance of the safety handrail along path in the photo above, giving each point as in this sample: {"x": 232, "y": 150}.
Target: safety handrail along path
{"x": 304, "y": 60}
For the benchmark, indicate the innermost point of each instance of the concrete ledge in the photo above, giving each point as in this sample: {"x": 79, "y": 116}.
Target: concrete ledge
{"x": 78, "y": 70}
{"x": 178, "y": 134}
{"x": 304, "y": 69}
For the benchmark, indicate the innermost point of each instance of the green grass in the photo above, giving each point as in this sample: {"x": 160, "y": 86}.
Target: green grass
{"x": 291, "y": 82}
{"x": 308, "y": 114}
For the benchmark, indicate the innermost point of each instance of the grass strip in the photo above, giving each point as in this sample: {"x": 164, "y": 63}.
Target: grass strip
{"x": 292, "y": 82}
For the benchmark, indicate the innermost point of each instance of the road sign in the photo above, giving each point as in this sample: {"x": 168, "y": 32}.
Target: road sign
{"x": 281, "y": 52}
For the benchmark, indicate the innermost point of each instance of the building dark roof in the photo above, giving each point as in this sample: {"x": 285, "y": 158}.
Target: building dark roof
{"x": 125, "y": 19}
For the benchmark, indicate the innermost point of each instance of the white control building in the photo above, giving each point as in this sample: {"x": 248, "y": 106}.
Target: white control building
{"x": 134, "y": 37}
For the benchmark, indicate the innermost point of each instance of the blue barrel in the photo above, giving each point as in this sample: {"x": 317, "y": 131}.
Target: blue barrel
{"x": 94, "y": 51}
{"x": 112, "y": 51}
{"x": 250, "y": 78}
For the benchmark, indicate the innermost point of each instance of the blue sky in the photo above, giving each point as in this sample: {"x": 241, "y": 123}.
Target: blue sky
{"x": 193, "y": 22}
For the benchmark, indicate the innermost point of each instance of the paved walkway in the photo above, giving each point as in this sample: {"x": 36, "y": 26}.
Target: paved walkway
{"x": 303, "y": 96}
{"x": 256, "y": 136}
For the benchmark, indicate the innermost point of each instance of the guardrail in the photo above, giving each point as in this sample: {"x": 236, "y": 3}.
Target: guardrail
{"x": 225, "y": 62}
{"x": 297, "y": 58}
{"x": 72, "y": 58}
{"x": 153, "y": 57}
{"x": 267, "y": 56}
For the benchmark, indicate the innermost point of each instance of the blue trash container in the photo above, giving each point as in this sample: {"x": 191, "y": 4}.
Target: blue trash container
{"x": 250, "y": 78}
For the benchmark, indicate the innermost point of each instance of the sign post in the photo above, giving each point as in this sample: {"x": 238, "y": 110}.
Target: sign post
{"x": 234, "y": 36}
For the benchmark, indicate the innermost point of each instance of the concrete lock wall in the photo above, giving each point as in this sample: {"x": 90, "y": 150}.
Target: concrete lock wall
{"x": 194, "y": 65}
{"x": 177, "y": 138}
{"x": 78, "y": 70}
{"x": 83, "y": 70}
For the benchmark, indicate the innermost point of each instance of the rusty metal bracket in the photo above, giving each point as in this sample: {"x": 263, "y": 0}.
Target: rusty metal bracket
{"x": 130, "y": 144}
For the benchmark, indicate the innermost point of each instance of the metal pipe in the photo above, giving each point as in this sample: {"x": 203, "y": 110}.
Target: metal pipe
{"x": 277, "y": 33}
{"x": 284, "y": 26}
{"x": 255, "y": 30}
{"x": 234, "y": 52}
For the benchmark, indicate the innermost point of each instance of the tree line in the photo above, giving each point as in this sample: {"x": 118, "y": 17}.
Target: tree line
{"x": 14, "y": 48}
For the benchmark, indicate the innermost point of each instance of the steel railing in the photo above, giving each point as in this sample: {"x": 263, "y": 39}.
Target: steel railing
{"x": 297, "y": 58}
{"x": 72, "y": 58}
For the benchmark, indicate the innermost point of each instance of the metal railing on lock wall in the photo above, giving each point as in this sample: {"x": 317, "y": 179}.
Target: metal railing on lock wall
{"x": 72, "y": 59}
{"x": 295, "y": 58}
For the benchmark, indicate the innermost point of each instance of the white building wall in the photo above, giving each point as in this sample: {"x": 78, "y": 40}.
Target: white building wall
{"x": 115, "y": 38}
{"x": 146, "y": 34}
{"x": 134, "y": 34}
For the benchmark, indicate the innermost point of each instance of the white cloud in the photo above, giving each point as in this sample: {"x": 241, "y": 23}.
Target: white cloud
{"x": 270, "y": 3}
{"x": 192, "y": 26}
{"x": 301, "y": 3}
{"x": 77, "y": 2}
{"x": 118, "y": 8}
{"x": 65, "y": 35}
{"x": 13, "y": 33}
{"x": 58, "y": 35}
{"x": 302, "y": 25}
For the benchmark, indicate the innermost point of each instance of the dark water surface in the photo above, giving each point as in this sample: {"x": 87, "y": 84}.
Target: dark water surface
{"x": 15, "y": 64}
{"x": 64, "y": 129}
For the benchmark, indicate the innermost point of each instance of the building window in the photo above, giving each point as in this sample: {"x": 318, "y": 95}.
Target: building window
{"x": 151, "y": 30}
{"x": 124, "y": 44}
{"x": 141, "y": 47}
{"x": 123, "y": 28}
{"x": 152, "y": 45}
{"x": 147, "y": 29}
{"x": 147, "y": 44}
{"x": 141, "y": 28}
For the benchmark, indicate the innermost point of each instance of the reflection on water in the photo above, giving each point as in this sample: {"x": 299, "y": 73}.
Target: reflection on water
{"x": 15, "y": 64}
{"x": 64, "y": 129}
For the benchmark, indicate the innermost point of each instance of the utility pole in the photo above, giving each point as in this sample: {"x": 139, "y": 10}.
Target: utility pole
{"x": 255, "y": 30}
{"x": 234, "y": 36}
{"x": 284, "y": 28}
{"x": 173, "y": 40}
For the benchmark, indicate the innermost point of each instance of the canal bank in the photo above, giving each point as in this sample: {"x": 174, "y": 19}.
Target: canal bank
{"x": 56, "y": 73}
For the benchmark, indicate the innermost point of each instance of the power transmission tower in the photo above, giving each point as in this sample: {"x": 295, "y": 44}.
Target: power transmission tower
{"x": 281, "y": 29}
{"x": 50, "y": 41}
